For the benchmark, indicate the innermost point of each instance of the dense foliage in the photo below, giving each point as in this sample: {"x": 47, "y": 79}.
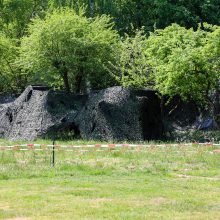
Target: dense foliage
{"x": 185, "y": 62}
{"x": 171, "y": 46}
{"x": 8, "y": 74}
{"x": 131, "y": 67}
{"x": 69, "y": 47}
{"x": 16, "y": 14}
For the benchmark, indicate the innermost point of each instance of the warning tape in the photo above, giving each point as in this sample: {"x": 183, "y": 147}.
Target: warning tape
{"x": 42, "y": 147}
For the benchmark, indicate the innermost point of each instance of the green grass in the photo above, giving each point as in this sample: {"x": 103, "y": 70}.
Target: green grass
{"x": 155, "y": 183}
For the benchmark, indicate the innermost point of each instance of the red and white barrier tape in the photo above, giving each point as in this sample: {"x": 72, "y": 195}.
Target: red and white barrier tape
{"x": 41, "y": 147}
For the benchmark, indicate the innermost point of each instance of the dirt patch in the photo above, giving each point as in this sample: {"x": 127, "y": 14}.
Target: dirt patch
{"x": 159, "y": 201}
{"x": 102, "y": 200}
{"x": 85, "y": 189}
{"x": 197, "y": 177}
{"x": 216, "y": 151}
{"x": 18, "y": 218}
{"x": 4, "y": 207}
{"x": 98, "y": 202}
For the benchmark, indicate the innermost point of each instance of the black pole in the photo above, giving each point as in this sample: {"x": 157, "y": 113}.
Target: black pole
{"x": 53, "y": 154}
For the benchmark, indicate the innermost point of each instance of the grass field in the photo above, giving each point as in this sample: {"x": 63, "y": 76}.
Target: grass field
{"x": 155, "y": 183}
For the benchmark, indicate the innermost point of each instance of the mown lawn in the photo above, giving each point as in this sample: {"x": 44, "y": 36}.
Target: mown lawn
{"x": 155, "y": 183}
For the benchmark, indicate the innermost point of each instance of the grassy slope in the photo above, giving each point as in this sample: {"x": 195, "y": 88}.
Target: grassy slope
{"x": 158, "y": 183}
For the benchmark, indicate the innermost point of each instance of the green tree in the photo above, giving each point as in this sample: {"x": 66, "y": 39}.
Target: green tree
{"x": 181, "y": 64}
{"x": 68, "y": 49}
{"x": 131, "y": 68}
{"x": 133, "y": 14}
{"x": 188, "y": 13}
{"x": 16, "y": 15}
{"x": 8, "y": 51}
{"x": 128, "y": 14}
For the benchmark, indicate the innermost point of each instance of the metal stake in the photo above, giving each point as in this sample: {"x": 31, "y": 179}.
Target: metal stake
{"x": 53, "y": 154}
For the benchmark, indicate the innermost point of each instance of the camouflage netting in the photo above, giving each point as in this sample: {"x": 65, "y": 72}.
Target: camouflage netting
{"x": 121, "y": 114}
{"x": 110, "y": 114}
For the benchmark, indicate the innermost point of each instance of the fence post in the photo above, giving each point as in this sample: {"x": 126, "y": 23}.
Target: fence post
{"x": 53, "y": 154}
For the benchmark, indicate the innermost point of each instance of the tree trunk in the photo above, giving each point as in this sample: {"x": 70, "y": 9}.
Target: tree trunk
{"x": 162, "y": 103}
{"x": 66, "y": 80}
{"x": 63, "y": 71}
{"x": 82, "y": 82}
{"x": 91, "y": 7}
{"x": 138, "y": 14}
{"x": 79, "y": 79}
